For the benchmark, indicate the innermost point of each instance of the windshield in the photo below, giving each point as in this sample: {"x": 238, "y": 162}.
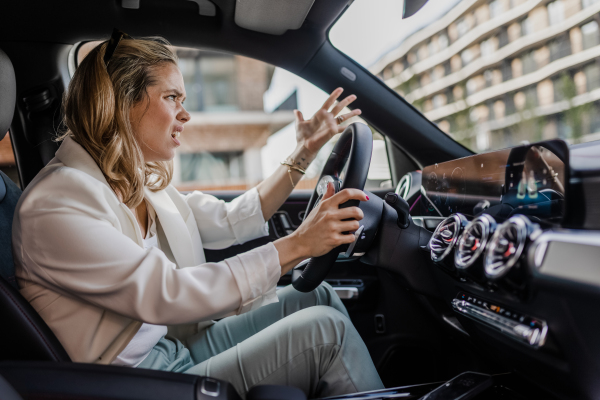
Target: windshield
{"x": 491, "y": 74}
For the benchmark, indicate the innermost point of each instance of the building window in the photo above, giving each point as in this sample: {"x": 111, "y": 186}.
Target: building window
{"x": 503, "y": 37}
{"x": 590, "y": 35}
{"x": 467, "y": 56}
{"x": 210, "y": 83}
{"x": 222, "y": 168}
{"x": 526, "y": 27}
{"x": 462, "y": 27}
{"x": 556, "y": 12}
{"x": 439, "y": 100}
{"x": 592, "y": 76}
{"x": 587, "y": 3}
{"x": 529, "y": 64}
{"x": 442, "y": 41}
{"x": 559, "y": 47}
{"x": 447, "y": 68}
{"x": 219, "y": 83}
{"x": 496, "y": 8}
{"x": 489, "y": 77}
{"x": 471, "y": 86}
{"x": 509, "y": 104}
{"x": 506, "y": 70}
{"x": 487, "y": 47}
{"x": 531, "y": 97}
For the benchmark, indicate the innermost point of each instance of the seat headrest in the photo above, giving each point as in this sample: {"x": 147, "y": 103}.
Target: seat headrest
{"x": 8, "y": 94}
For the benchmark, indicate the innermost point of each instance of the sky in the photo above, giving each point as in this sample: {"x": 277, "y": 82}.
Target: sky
{"x": 366, "y": 31}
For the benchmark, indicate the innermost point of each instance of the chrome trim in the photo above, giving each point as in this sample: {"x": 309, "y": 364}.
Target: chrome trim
{"x": 487, "y": 224}
{"x": 537, "y": 250}
{"x": 404, "y": 193}
{"x": 420, "y": 221}
{"x": 495, "y": 270}
{"x": 210, "y": 393}
{"x": 346, "y": 293}
{"x": 455, "y": 324}
{"x": 453, "y": 219}
{"x": 357, "y": 234}
{"x": 534, "y": 337}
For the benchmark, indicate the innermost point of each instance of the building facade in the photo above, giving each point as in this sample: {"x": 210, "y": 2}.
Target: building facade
{"x": 495, "y": 73}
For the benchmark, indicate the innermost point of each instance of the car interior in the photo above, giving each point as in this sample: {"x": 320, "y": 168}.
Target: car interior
{"x": 466, "y": 281}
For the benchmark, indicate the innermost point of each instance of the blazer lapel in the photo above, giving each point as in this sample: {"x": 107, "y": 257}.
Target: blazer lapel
{"x": 174, "y": 227}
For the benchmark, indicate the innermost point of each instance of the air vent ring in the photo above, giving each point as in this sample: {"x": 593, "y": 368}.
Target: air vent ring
{"x": 506, "y": 247}
{"x": 473, "y": 241}
{"x": 445, "y": 236}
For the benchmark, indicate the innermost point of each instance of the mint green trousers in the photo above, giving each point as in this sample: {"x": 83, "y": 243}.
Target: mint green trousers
{"x": 306, "y": 340}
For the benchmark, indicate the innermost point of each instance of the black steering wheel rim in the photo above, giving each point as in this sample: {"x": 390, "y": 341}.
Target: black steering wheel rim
{"x": 353, "y": 148}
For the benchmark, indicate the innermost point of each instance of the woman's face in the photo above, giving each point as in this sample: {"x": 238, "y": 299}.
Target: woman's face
{"x": 158, "y": 119}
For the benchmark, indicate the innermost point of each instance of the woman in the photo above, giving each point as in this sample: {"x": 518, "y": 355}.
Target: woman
{"x": 110, "y": 255}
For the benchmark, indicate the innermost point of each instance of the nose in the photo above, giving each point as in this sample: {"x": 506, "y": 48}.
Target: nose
{"x": 183, "y": 115}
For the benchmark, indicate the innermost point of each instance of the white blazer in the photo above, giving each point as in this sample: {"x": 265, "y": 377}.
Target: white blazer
{"x": 80, "y": 260}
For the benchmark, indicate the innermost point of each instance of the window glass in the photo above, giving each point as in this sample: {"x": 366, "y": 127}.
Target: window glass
{"x": 590, "y": 34}
{"x": 7, "y": 159}
{"x": 556, "y": 12}
{"x": 513, "y": 93}
{"x": 242, "y": 123}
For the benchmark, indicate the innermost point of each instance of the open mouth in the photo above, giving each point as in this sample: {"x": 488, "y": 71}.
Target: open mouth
{"x": 176, "y": 134}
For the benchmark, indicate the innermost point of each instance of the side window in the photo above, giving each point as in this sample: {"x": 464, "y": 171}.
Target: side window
{"x": 7, "y": 159}
{"x": 242, "y": 123}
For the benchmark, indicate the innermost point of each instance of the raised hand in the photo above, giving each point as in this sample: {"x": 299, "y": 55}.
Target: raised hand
{"x": 312, "y": 134}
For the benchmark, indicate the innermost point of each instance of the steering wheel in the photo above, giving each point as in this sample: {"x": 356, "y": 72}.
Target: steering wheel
{"x": 354, "y": 148}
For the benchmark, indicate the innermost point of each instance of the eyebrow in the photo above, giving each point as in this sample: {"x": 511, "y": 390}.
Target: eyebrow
{"x": 177, "y": 93}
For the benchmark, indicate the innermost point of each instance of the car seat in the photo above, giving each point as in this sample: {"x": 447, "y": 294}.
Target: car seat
{"x": 24, "y": 335}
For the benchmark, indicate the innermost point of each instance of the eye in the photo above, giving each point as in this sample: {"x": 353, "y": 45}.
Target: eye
{"x": 172, "y": 97}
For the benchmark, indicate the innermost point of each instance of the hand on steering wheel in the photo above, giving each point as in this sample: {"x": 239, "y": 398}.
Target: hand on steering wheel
{"x": 329, "y": 226}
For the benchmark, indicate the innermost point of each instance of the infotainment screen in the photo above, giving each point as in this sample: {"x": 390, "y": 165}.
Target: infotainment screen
{"x": 526, "y": 180}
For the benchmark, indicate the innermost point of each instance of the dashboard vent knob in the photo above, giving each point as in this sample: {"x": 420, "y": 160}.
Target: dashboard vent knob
{"x": 444, "y": 238}
{"x": 473, "y": 241}
{"x": 506, "y": 246}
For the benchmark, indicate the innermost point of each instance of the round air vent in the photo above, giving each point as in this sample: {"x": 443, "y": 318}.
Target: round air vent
{"x": 445, "y": 235}
{"x": 506, "y": 246}
{"x": 473, "y": 241}
{"x": 404, "y": 186}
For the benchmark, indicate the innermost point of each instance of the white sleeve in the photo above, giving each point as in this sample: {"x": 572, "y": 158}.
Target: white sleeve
{"x": 71, "y": 245}
{"x": 224, "y": 224}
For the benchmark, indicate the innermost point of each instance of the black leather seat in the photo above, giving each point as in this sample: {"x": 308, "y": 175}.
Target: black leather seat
{"x": 23, "y": 333}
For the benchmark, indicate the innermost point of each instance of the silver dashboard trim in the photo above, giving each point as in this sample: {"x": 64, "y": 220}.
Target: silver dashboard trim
{"x": 533, "y": 337}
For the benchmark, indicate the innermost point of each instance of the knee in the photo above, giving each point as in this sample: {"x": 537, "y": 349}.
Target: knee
{"x": 328, "y": 296}
{"x": 329, "y": 319}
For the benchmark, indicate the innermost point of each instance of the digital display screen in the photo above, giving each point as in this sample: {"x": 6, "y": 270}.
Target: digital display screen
{"x": 527, "y": 180}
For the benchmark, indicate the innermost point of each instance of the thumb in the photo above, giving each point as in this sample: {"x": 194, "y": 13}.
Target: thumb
{"x": 330, "y": 191}
{"x": 299, "y": 116}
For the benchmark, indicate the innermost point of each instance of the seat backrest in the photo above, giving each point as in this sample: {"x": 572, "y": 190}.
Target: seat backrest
{"x": 23, "y": 333}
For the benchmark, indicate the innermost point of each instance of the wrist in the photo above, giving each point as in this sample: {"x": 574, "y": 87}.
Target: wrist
{"x": 291, "y": 251}
{"x": 302, "y": 157}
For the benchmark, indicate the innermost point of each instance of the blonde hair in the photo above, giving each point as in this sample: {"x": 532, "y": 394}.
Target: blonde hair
{"x": 97, "y": 114}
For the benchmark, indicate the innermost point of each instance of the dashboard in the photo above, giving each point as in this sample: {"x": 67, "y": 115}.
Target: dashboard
{"x": 528, "y": 180}
{"x": 513, "y": 250}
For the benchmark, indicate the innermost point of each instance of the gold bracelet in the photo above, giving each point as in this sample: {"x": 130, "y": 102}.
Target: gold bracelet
{"x": 293, "y": 166}
{"x": 291, "y": 179}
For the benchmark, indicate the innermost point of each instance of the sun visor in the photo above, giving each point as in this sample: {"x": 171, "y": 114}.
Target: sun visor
{"x": 274, "y": 17}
